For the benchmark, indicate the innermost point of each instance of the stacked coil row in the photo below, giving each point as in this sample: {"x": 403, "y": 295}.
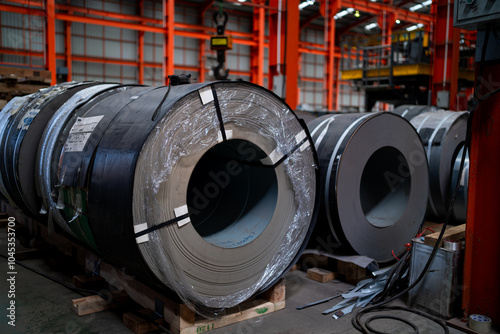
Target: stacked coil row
{"x": 207, "y": 189}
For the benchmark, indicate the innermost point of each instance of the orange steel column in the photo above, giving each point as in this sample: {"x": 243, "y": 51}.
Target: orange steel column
{"x": 481, "y": 293}
{"x": 257, "y": 53}
{"x": 67, "y": 45}
{"x": 141, "y": 47}
{"x": 276, "y": 49}
{"x": 168, "y": 40}
{"x": 330, "y": 61}
{"x": 446, "y": 52}
{"x": 292, "y": 52}
{"x": 51, "y": 40}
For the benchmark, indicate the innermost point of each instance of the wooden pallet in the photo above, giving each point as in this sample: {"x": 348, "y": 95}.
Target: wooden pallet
{"x": 21, "y": 81}
{"x": 327, "y": 269}
{"x": 180, "y": 318}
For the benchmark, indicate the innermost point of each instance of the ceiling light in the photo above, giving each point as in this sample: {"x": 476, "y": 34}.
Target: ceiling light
{"x": 398, "y": 21}
{"x": 415, "y": 27}
{"x": 427, "y": 3}
{"x": 371, "y": 26}
{"x": 416, "y": 7}
{"x": 305, "y": 4}
{"x": 350, "y": 10}
{"x": 357, "y": 14}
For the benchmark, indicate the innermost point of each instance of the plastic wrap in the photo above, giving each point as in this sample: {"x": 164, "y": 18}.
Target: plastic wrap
{"x": 223, "y": 275}
{"x": 49, "y": 140}
{"x": 22, "y": 135}
{"x": 121, "y": 168}
{"x": 7, "y": 112}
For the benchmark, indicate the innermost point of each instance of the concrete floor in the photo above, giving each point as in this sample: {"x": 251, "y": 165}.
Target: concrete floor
{"x": 43, "y": 306}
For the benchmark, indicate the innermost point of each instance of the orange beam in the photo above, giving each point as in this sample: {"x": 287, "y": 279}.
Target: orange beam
{"x": 106, "y": 14}
{"x": 67, "y": 46}
{"x": 257, "y": 60}
{"x": 330, "y": 63}
{"x": 22, "y": 10}
{"x": 141, "y": 47}
{"x": 51, "y": 41}
{"x": 292, "y": 52}
{"x": 168, "y": 41}
{"x": 103, "y": 22}
{"x": 305, "y": 22}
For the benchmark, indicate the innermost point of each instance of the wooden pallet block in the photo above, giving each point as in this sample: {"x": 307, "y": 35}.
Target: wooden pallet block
{"x": 321, "y": 275}
{"x": 138, "y": 324}
{"x": 455, "y": 233}
{"x": 95, "y": 303}
{"x": 351, "y": 272}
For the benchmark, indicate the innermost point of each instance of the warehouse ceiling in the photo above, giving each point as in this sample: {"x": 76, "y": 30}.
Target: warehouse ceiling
{"x": 348, "y": 20}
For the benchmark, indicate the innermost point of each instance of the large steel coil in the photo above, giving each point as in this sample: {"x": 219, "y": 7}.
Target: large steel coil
{"x": 443, "y": 135}
{"x": 207, "y": 189}
{"x": 409, "y": 111}
{"x": 375, "y": 178}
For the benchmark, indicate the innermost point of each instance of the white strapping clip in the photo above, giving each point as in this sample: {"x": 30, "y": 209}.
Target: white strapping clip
{"x": 139, "y": 228}
{"x": 300, "y": 137}
{"x": 206, "y": 95}
{"x": 180, "y": 211}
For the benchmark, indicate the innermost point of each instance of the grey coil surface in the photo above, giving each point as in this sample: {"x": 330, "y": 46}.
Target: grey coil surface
{"x": 443, "y": 135}
{"x": 206, "y": 189}
{"x": 375, "y": 182}
{"x": 409, "y": 111}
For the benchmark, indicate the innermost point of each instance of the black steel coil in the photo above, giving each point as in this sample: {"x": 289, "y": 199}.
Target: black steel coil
{"x": 443, "y": 135}
{"x": 374, "y": 180}
{"x": 120, "y": 167}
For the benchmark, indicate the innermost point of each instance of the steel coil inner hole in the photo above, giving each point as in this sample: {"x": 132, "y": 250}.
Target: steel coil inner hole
{"x": 231, "y": 197}
{"x": 385, "y": 187}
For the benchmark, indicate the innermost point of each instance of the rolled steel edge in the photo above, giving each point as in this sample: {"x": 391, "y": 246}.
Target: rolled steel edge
{"x": 286, "y": 151}
{"x": 359, "y": 155}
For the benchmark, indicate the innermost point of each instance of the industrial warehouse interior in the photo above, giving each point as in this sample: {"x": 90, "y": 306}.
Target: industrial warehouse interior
{"x": 249, "y": 166}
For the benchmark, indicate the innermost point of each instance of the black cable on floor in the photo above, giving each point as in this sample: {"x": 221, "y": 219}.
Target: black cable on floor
{"x": 91, "y": 292}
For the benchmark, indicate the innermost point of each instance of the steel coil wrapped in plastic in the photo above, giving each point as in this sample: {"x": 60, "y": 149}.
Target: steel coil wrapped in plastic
{"x": 375, "y": 179}
{"x": 207, "y": 189}
{"x": 22, "y": 123}
{"x": 443, "y": 135}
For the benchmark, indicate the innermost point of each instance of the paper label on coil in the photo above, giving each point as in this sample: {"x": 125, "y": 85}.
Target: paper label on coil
{"x": 139, "y": 228}
{"x": 180, "y": 211}
{"x": 206, "y": 95}
{"x": 300, "y": 137}
{"x": 80, "y": 133}
{"x": 229, "y": 135}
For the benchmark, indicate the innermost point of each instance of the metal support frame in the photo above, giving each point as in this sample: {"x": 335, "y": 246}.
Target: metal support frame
{"x": 168, "y": 41}
{"x": 51, "y": 40}
{"x": 140, "y": 47}
{"x": 257, "y": 61}
{"x": 481, "y": 293}
{"x": 446, "y": 52}
{"x": 67, "y": 46}
{"x": 292, "y": 52}
{"x": 332, "y": 70}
